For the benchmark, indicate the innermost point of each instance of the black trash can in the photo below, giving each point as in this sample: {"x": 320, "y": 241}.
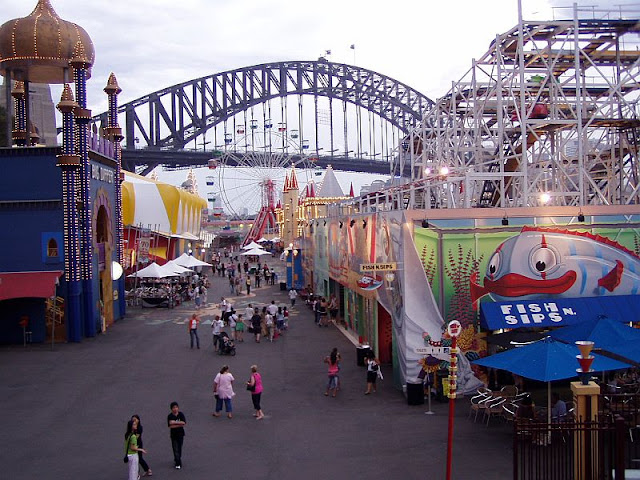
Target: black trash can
{"x": 362, "y": 352}
{"x": 415, "y": 393}
{"x": 283, "y": 286}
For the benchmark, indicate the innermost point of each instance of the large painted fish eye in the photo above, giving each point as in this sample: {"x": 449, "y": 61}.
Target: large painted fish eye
{"x": 494, "y": 264}
{"x": 543, "y": 260}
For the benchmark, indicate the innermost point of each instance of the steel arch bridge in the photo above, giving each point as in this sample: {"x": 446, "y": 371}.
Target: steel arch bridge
{"x": 167, "y": 121}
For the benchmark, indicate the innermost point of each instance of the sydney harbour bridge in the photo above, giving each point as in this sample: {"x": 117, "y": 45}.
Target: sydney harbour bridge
{"x": 343, "y": 115}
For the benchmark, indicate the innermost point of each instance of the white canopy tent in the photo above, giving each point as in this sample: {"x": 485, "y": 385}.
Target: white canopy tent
{"x": 189, "y": 261}
{"x": 251, "y": 246}
{"x": 153, "y": 270}
{"x": 172, "y": 266}
{"x": 262, "y": 240}
{"x": 255, "y": 251}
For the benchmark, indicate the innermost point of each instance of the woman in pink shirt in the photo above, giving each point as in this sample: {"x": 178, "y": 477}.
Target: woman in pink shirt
{"x": 223, "y": 391}
{"x": 254, "y": 385}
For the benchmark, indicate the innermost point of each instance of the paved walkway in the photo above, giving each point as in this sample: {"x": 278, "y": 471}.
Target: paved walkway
{"x": 65, "y": 410}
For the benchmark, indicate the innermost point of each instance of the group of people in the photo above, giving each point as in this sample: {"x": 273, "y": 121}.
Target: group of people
{"x": 270, "y": 322}
{"x": 239, "y": 275}
{"x": 323, "y": 310}
{"x": 333, "y": 372}
{"x": 223, "y": 391}
{"x": 176, "y": 420}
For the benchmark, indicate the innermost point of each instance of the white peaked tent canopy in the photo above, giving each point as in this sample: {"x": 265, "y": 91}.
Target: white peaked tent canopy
{"x": 152, "y": 271}
{"x": 188, "y": 261}
{"x": 255, "y": 251}
{"x": 172, "y": 266}
{"x": 261, "y": 240}
{"x": 251, "y": 246}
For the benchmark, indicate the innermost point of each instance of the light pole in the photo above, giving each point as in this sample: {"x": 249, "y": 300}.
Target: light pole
{"x": 454, "y": 328}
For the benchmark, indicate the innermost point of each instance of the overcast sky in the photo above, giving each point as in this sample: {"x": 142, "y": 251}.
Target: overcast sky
{"x": 152, "y": 44}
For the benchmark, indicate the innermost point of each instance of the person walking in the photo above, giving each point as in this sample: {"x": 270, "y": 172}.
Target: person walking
{"x": 280, "y": 321}
{"x": 197, "y": 298}
{"x": 373, "y": 365}
{"x": 269, "y": 322}
{"x": 138, "y": 433}
{"x": 223, "y": 391}
{"x": 333, "y": 360}
{"x": 131, "y": 448}
{"x": 256, "y": 324}
{"x": 233, "y": 321}
{"x": 216, "y": 327}
{"x": 176, "y": 422}
{"x": 322, "y": 311}
{"x": 240, "y": 328}
{"x": 333, "y": 308}
{"x": 257, "y": 279}
{"x": 193, "y": 330}
{"x": 292, "y": 296}
{"x": 248, "y": 283}
{"x": 254, "y": 385}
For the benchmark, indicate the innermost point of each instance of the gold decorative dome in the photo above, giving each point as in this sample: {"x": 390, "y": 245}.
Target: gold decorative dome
{"x": 40, "y": 46}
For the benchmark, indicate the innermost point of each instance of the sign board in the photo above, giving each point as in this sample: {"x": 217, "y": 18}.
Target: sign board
{"x": 454, "y": 328}
{"x": 143, "y": 249}
{"x": 433, "y": 350}
{"x": 377, "y": 267}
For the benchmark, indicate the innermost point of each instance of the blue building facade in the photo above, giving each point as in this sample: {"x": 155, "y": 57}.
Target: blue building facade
{"x": 33, "y": 290}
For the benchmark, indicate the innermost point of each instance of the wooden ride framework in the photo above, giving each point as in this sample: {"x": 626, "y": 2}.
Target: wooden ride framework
{"x": 571, "y": 88}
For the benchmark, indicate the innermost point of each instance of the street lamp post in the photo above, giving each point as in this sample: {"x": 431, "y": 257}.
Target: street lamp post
{"x": 454, "y": 328}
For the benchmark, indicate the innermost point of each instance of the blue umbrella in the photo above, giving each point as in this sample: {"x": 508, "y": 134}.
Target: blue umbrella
{"x": 607, "y": 334}
{"x": 545, "y": 361}
{"x": 602, "y": 331}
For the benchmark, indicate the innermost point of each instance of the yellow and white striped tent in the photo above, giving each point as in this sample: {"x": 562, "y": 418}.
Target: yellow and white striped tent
{"x": 165, "y": 208}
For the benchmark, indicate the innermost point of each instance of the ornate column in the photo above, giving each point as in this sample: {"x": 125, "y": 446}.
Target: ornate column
{"x": 69, "y": 163}
{"x": 19, "y": 133}
{"x": 82, "y": 117}
{"x": 113, "y": 132}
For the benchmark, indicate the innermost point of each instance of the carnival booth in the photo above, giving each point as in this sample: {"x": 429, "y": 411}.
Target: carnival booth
{"x": 161, "y": 221}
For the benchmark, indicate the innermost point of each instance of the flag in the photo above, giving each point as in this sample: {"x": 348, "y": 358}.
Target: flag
{"x": 328, "y": 52}
{"x": 353, "y": 46}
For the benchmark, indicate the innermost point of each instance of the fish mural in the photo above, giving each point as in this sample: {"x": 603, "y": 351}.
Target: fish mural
{"x": 543, "y": 262}
{"x": 369, "y": 283}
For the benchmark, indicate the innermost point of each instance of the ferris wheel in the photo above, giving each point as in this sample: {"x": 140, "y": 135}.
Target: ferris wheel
{"x": 254, "y": 165}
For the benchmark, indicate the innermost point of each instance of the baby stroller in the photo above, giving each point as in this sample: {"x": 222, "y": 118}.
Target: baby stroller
{"x": 227, "y": 346}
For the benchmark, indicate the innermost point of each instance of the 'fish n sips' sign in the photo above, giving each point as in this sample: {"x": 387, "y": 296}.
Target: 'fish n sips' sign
{"x": 532, "y": 314}
{"x": 557, "y": 312}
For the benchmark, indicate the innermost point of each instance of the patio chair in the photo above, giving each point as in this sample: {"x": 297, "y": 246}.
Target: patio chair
{"x": 520, "y": 396}
{"x": 509, "y": 391}
{"x": 478, "y": 403}
{"x": 509, "y": 411}
{"x": 494, "y": 408}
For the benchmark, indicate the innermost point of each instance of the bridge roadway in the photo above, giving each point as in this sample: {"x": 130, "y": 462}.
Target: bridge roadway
{"x": 151, "y": 158}
{"x": 65, "y": 409}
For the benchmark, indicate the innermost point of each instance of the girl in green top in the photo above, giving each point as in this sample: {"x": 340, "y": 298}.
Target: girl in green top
{"x": 131, "y": 447}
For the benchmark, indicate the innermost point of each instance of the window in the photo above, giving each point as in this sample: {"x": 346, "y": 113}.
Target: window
{"x": 52, "y": 248}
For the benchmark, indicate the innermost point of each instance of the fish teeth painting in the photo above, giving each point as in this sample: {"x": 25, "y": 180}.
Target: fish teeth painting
{"x": 548, "y": 262}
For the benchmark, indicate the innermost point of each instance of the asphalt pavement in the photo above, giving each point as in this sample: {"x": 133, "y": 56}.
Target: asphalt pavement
{"x": 66, "y": 408}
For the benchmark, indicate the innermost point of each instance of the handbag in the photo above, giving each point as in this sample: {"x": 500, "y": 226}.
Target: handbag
{"x": 251, "y": 388}
{"x": 126, "y": 456}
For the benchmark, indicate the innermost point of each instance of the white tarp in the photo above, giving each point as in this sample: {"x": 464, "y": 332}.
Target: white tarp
{"x": 152, "y": 271}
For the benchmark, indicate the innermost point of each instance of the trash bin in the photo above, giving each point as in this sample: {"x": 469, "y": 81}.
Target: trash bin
{"x": 415, "y": 393}
{"x": 283, "y": 286}
{"x": 362, "y": 352}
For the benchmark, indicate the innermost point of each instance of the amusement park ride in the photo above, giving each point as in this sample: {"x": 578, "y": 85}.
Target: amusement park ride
{"x": 251, "y": 170}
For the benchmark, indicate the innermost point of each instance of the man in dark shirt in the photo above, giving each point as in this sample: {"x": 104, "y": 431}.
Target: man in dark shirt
{"x": 176, "y": 422}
